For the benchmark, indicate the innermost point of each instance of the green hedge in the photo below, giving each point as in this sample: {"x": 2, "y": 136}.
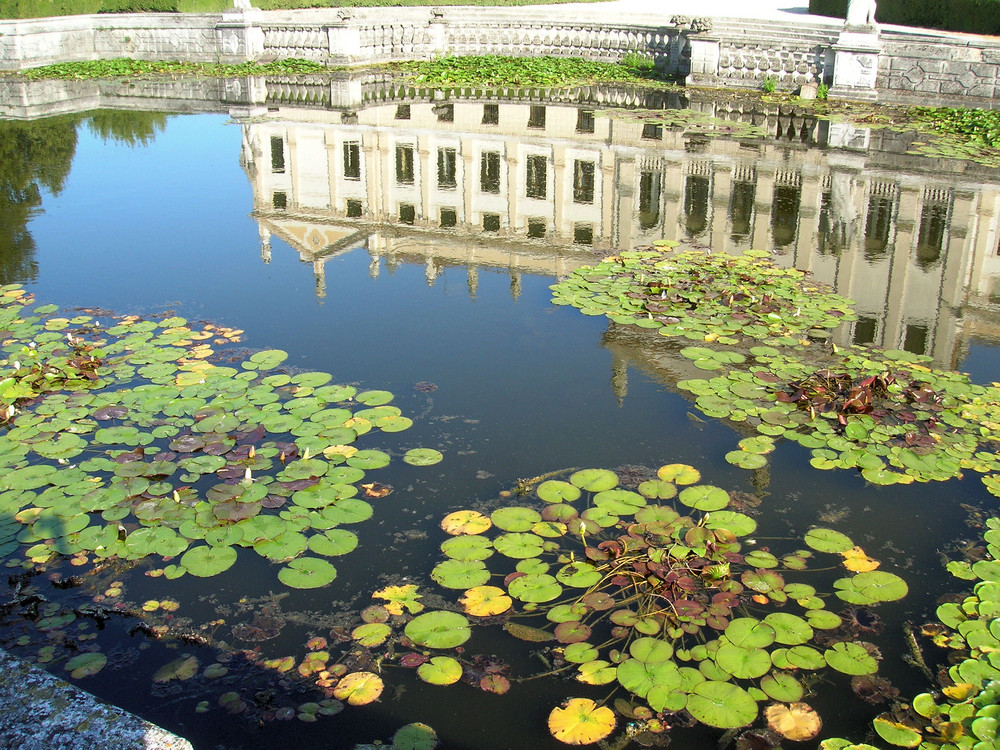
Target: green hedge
{"x": 973, "y": 16}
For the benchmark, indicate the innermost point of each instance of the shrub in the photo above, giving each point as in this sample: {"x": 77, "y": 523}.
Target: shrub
{"x": 973, "y": 16}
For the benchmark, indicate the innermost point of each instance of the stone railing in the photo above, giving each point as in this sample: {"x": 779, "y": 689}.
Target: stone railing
{"x": 890, "y": 64}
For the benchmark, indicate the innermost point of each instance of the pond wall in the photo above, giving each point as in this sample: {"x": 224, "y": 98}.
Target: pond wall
{"x": 888, "y": 63}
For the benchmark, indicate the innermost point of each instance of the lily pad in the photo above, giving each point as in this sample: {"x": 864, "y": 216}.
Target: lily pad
{"x": 580, "y": 721}
{"x": 440, "y": 670}
{"x": 307, "y": 573}
{"x": 86, "y": 664}
{"x": 871, "y": 587}
{"x": 439, "y": 629}
{"x": 721, "y": 704}
{"x": 206, "y": 561}
{"x": 422, "y": 457}
{"x": 359, "y": 688}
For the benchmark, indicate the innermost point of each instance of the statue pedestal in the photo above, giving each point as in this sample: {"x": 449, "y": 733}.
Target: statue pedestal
{"x": 855, "y": 66}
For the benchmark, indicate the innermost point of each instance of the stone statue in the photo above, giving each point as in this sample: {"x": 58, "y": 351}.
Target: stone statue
{"x": 860, "y": 12}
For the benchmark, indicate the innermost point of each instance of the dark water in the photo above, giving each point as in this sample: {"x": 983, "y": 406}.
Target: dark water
{"x": 238, "y": 220}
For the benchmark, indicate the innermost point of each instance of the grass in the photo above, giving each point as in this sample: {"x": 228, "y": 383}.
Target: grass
{"x": 979, "y": 126}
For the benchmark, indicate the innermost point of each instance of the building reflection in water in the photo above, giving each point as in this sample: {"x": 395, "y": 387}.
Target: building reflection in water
{"x": 544, "y": 188}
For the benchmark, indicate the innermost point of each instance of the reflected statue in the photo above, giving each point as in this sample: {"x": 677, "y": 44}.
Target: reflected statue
{"x": 861, "y": 13}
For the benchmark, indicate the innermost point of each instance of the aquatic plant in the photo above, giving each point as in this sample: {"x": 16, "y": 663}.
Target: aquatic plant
{"x": 124, "y": 67}
{"x": 963, "y": 713}
{"x": 705, "y": 297}
{"x": 501, "y": 70}
{"x": 658, "y": 593}
{"x": 886, "y": 413}
{"x": 124, "y": 441}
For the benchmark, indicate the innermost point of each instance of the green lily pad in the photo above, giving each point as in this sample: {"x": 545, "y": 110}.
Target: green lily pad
{"x": 704, "y": 497}
{"x": 828, "y": 540}
{"x": 519, "y": 545}
{"x": 439, "y": 629}
{"x": 86, "y": 664}
{"x": 594, "y": 480}
{"x": 307, "y": 573}
{"x": 782, "y": 686}
{"x": 639, "y": 677}
{"x": 467, "y": 547}
{"x": 721, "y": 704}
{"x": 369, "y": 459}
{"x": 555, "y": 491}
{"x": 850, "y": 658}
{"x": 422, "y": 457}
{"x": 515, "y": 518}
{"x": 333, "y": 542}
{"x": 871, "y": 587}
{"x": 206, "y": 561}
{"x": 414, "y": 736}
{"x": 460, "y": 574}
{"x": 440, "y": 670}
{"x": 536, "y": 588}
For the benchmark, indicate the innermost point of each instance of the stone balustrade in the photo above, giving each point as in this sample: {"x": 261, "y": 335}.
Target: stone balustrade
{"x": 890, "y": 64}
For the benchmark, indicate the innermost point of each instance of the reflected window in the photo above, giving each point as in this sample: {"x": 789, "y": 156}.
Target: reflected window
{"x": 930, "y": 239}
{"x": 865, "y": 330}
{"x": 877, "y": 225}
{"x": 491, "y": 222}
{"x": 491, "y": 114}
{"x": 916, "y": 339}
{"x": 489, "y": 172}
{"x": 449, "y": 218}
{"x": 585, "y": 121}
{"x": 353, "y": 208}
{"x": 402, "y": 111}
{"x": 445, "y": 112}
{"x": 277, "y": 154}
{"x": 279, "y": 201}
{"x": 696, "y": 194}
{"x": 536, "y": 227}
{"x": 404, "y": 165}
{"x": 536, "y": 177}
{"x": 352, "y": 160}
{"x": 407, "y": 213}
{"x": 785, "y": 215}
{"x": 583, "y": 181}
{"x": 741, "y": 208}
{"x": 652, "y": 131}
{"x": 583, "y": 234}
{"x": 649, "y": 199}
{"x": 536, "y": 116}
{"x": 832, "y": 236}
{"x": 447, "y": 159}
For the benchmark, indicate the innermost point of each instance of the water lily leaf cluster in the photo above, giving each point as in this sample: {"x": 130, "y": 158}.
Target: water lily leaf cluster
{"x": 964, "y": 713}
{"x": 733, "y": 300}
{"x": 887, "y": 414}
{"x": 124, "y": 440}
{"x": 657, "y": 592}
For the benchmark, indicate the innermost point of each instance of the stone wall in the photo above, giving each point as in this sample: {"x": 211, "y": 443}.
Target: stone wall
{"x": 912, "y": 64}
{"x": 893, "y": 64}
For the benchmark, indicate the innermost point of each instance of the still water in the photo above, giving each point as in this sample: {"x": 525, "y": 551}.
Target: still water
{"x": 399, "y": 238}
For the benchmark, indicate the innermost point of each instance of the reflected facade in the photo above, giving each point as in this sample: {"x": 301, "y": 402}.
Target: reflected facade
{"x": 544, "y": 188}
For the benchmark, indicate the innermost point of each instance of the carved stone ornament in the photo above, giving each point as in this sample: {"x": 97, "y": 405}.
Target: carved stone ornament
{"x": 701, "y": 24}
{"x": 680, "y": 21}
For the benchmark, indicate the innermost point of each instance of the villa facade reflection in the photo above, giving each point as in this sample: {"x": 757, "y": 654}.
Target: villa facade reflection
{"x": 543, "y": 188}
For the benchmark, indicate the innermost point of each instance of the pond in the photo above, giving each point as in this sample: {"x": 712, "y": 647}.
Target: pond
{"x": 406, "y": 240}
